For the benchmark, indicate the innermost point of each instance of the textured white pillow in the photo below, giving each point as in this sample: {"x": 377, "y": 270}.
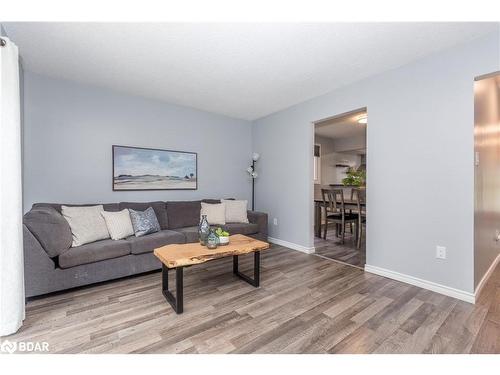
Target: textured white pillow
{"x": 86, "y": 223}
{"x": 119, "y": 224}
{"x": 216, "y": 213}
{"x": 236, "y": 211}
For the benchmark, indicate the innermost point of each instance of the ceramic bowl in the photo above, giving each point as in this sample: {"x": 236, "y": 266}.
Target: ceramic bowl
{"x": 223, "y": 240}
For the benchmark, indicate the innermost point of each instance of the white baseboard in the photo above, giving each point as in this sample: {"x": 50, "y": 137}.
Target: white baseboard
{"x": 435, "y": 287}
{"x": 486, "y": 276}
{"x": 291, "y": 245}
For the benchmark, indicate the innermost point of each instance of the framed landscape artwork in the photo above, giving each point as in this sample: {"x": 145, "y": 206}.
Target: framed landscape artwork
{"x": 136, "y": 168}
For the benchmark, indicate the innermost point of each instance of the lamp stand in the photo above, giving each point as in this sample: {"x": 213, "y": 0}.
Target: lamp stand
{"x": 253, "y": 186}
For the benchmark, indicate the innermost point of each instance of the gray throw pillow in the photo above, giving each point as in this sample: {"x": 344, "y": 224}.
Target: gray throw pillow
{"x": 144, "y": 222}
{"x": 86, "y": 223}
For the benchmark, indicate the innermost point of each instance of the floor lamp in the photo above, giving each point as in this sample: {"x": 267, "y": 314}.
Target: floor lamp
{"x": 251, "y": 171}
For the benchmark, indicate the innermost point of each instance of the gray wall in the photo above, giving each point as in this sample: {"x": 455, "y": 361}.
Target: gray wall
{"x": 487, "y": 175}
{"x": 421, "y": 198}
{"x": 69, "y": 130}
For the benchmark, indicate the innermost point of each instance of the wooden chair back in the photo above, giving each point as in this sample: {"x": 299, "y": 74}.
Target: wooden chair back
{"x": 359, "y": 196}
{"x": 333, "y": 200}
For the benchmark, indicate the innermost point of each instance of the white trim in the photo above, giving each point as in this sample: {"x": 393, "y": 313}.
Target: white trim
{"x": 435, "y": 287}
{"x": 291, "y": 245}
{"x": 486, "y": 276}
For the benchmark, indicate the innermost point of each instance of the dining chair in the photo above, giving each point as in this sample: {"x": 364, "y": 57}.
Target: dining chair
{"x": 333, "y": 203}
{"x": 359, "y": 196}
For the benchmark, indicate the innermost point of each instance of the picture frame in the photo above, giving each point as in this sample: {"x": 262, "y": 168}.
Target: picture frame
{"x": 142, "y": 169}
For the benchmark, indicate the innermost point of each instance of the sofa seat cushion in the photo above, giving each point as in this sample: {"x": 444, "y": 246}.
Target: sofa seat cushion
{"x": 149, "y": 242}
{"x": 241, "y": 228}
{"x": 94, "y": 252}
{"x": 190, "y": 234}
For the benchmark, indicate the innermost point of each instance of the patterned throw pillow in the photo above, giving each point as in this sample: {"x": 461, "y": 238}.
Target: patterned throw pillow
{"x": 144, "y": 222}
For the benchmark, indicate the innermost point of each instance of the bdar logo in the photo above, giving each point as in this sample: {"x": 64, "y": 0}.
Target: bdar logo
{"x": 8, "y": 347}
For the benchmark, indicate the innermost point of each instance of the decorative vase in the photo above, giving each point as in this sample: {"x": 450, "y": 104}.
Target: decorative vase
{"x": 212, "y": 240}
{"x": 203, "y": 230}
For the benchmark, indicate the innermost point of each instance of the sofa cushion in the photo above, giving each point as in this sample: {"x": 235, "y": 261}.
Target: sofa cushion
{"x": 215, "y": 213}
{"x": 50, "y": 229}
{"x": 119, "y": 224}
{"x": 236, "y": 210}
{"x": 148, "y": 243}
{"x": 211, "y": 201}
{"x": 111, "y": 207}
{"x": 144, "y": 222}
{"x": 190, "y": 233}
{"x": 241, "y": 228}
{"x": 158, "y": 207}
{"x": 94, "y": 252}
{"x": 183, "y": 214}
{"x": 86, "y": 223}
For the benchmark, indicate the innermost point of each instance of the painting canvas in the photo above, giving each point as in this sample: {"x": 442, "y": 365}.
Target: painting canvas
{"x": 137, "y": 168}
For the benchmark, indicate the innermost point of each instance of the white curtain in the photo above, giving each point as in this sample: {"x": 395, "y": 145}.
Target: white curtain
{"x": 11, "y": 235}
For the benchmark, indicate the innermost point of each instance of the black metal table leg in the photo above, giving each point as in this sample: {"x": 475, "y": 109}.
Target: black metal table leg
{"x": 176, "y": 302}
{"x": 256, "y": 270}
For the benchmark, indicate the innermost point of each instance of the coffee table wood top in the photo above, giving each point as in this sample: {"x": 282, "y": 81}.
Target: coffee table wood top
{"x": 179, "y": 255}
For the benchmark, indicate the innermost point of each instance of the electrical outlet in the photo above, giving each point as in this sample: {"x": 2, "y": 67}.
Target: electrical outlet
{"x": 441, "y": 252}
{"x": 275, "y": 221}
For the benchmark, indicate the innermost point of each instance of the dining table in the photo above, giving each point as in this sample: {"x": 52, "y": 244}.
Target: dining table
{"x": 349, "y": 204}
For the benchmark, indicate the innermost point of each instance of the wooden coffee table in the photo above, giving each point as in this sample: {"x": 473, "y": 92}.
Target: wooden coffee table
{"x": 178, "y": 256}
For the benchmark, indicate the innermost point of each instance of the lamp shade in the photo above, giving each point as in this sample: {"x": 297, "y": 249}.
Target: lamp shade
{"x": 255, "y": 156}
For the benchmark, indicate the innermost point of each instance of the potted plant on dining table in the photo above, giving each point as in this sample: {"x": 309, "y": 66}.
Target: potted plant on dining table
{"x": 355, "y": 177}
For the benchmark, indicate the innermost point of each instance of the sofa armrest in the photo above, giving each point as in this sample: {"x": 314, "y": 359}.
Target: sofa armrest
{"x": 259, "y": 218}
{"x": 38, "y": 267}
{"x": 35, "y": 257}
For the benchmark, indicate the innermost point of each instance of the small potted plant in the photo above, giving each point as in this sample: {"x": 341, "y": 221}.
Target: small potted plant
{"x": 223, "y": 236}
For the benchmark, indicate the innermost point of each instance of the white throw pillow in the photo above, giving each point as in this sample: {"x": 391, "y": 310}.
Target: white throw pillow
{"x": 236, "y": 211}
{"x": 119, "y": 224}
{"x": 216, "y": 213}
{"x": 86, "y": 223}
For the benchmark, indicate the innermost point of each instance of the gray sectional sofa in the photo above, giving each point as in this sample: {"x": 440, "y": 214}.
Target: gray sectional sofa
{"x": 51, "y": 264}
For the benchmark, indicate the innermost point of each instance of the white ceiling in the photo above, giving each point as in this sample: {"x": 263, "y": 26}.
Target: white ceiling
{"x": 342, "y": 126}
{"x": 245, "y": 70}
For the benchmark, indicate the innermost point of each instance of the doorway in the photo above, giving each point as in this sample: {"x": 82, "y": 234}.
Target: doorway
{"x": 339, "y": 179}
{"x": 486, "y": 177}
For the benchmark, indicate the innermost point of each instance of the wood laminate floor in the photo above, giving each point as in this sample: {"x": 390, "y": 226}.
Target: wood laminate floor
{"x": 306, "y": 304}
{"x": 348, "y": 253}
